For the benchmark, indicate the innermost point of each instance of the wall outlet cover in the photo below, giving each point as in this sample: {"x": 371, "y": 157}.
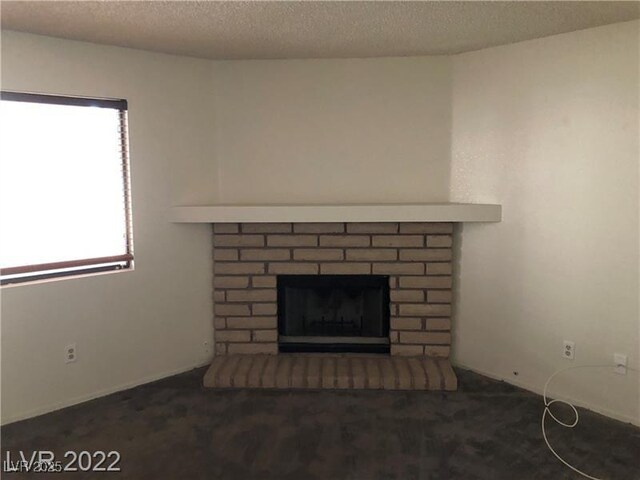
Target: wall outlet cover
{"x": 621, "y": 363}
{"x": 569, "y": 350}
{"x": 70, "y": 353}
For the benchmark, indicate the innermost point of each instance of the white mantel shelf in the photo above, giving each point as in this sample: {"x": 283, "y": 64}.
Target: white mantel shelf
{"x": 412, "y": 212}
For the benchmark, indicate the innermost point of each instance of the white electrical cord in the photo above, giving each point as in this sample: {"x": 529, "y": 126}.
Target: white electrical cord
{"x": 547, "y": 411}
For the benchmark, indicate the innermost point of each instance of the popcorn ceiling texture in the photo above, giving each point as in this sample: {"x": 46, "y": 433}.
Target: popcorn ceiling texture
{"x": 253, "y": 30}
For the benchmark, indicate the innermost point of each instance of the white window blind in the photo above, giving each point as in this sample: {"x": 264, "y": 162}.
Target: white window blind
{"x": 64, "y": 186}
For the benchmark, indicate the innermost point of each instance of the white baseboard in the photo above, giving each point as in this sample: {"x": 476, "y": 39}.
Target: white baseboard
{"x": 100, "y": 393}
{"x": 152, "y": 378}
{"x": 537, "y": 390}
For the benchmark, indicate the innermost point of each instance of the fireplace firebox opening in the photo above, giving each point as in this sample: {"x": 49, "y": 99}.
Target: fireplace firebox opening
{"x": 333, "y": 313}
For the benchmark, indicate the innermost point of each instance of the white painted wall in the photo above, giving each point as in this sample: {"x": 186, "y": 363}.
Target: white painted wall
{"x": 333, "y": 131}
{"x": 204, "y": 132}
{"x": 135, "y": 326}
{"x": 549, "y": 129}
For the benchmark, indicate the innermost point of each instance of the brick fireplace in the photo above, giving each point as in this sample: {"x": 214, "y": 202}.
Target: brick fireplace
{"x": 248, "y": 257}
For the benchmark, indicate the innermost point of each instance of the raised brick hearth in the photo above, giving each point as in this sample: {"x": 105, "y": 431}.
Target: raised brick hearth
{"x": 343, "y": 372}
{"x": 416, "y": 256}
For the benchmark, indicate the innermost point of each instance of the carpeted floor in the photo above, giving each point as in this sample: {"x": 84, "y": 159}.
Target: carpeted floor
{"x": 175, "y": 429}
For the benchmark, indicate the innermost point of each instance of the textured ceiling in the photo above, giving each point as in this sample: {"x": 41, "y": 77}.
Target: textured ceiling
{"x": 308, "y": 29}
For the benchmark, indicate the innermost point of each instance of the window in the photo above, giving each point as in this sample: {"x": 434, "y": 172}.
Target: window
{"x": 64, "y": 187}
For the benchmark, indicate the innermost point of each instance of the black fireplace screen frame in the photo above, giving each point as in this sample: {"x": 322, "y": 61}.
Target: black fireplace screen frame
{"x": 373, "y": 343}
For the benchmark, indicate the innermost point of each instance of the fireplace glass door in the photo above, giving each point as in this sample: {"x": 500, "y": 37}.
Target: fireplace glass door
{"x": 333, "y": 313}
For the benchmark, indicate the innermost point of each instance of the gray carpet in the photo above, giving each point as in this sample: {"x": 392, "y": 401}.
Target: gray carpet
{"x": 175, "y": 429}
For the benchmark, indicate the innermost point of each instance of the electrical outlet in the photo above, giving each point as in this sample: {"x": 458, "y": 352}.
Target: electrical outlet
{"x": 621, "y": 363}
{"x": 569, "y": 350}
{"x": 70, "y": 353}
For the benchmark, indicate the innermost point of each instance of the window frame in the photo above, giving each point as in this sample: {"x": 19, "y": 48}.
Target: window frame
{"x": 83, "y": 266}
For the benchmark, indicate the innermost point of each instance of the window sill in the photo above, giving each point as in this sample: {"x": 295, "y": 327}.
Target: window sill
{"x": 63, "y": 278}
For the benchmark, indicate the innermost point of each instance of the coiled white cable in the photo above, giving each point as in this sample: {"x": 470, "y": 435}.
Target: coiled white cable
{"x": 547, "y": 411}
